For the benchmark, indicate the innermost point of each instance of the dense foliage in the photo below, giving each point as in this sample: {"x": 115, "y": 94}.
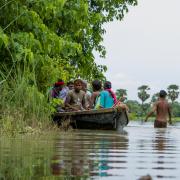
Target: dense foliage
{"x": 173, "y": 92}
{"x": 41, "y": 41}
{"x": 56, "y": 38}
{"x": 143, "y": 96}
{"x": 121, "y": 94}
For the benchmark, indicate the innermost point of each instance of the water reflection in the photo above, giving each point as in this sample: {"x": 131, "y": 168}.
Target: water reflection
{"x": 89, "y": 154}
{"x": 134, "y": 153}
{"x": 160, "y": 141}
{"x": 25, "y": 157}
{"x": 163, "y": 147}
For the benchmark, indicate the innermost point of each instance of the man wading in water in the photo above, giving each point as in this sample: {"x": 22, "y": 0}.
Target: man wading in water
{"x": 162, "y": 110}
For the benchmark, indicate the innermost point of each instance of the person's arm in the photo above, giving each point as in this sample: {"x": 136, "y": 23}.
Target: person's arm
{"x": 169, "y": 113}
{"x": 67, "y": 103}
{"x": 151, "y": 112}
{"x": 148, "y": 115}
{"x": 92, "y": 102}
{"x": 63, "y": 94}
{"x": 88, "y": 102}
{"x": 84, "y": 102}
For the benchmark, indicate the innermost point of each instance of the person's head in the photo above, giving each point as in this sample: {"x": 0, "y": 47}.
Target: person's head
{"x": 107, "y": 85}
{"x": 84, "y": 86}
{"x": 162, "y": 94}
{"x": 70, "y": 85}
{"x": 59, "y": 85}
{"x": 78, "y": 85}
{"x": 96, "y": 85}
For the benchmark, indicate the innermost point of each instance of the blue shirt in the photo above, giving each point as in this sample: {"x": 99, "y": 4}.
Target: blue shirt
{"x": 106, "y": 100}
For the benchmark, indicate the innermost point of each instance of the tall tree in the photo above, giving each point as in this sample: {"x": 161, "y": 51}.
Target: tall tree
{"x": 121, "y": 94}
{"x": 154, "y": 97}
{"x": 143, "y": 95}
{"x": 173, "y": 92}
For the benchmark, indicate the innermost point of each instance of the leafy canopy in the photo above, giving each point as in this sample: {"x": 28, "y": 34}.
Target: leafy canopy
{"x": 56, "y": 38}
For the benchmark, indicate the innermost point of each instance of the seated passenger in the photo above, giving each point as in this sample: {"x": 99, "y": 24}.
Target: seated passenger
{"x": 70, "y": 85}
{"x": 87, "y": 95}
{"x": 75, "y": 100}
{"x": 59, "y": 92}
{"x": 95, "y": 97}
{"x": 107, "y": 96}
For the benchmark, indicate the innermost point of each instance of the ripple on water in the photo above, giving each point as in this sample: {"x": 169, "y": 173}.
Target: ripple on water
{"x": 88, "y": 154}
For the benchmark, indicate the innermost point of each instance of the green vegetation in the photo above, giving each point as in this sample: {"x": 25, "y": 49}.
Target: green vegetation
{"x": 173, "y": 92}
{"x": 42, "y": 41}
{"x": 27, "y": 157}
{"x": 143, "y": 96}
{"x": 121, "y": 94}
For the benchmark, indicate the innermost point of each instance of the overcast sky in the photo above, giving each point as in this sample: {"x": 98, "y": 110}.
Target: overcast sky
{"x": 144, "y": 48}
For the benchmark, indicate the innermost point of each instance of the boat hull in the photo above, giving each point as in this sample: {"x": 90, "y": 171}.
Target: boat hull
{"x": 94, "y": 119}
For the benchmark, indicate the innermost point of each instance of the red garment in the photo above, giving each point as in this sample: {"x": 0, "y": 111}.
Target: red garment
{"x": 59, "y": 83}
{"x": 112, "y": 94}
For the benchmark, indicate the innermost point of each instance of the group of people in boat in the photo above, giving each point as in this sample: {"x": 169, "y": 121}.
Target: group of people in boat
{"x": 77, "y": 97}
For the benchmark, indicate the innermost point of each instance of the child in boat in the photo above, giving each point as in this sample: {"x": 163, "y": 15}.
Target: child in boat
{"x": 95, "y": 97}
{"x": 75, "y": 100}
{"x": 162, "y": 110}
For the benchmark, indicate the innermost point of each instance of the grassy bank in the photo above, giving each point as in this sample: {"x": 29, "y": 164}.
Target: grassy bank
{"x": 22, "y": 106}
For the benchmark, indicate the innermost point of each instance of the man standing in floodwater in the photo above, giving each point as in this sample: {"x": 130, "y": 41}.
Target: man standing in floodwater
{"x": 162, "y": 110}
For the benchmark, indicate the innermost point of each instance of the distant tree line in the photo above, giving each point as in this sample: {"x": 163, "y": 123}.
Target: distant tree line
{"x": 139, "y": 109}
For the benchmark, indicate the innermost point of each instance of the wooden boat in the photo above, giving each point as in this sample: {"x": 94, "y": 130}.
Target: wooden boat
{"x": 111, "y": 118}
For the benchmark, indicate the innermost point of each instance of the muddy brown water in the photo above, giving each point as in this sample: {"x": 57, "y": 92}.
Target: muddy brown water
{"x": 136, "y": 151}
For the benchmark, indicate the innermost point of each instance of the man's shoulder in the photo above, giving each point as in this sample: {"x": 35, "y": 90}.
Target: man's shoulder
{"x": 82, "y": 92}
{"x": 162, "y": 102}
{"x": 71, "y": 92}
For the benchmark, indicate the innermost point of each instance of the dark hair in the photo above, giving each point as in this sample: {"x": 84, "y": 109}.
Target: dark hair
{"x": 78, "y": 81}
{"x": 162, "y": 94}
{"x": 96, "y": 84}
{"x": 70, "y": 82}
{"x": 107, "y": 85}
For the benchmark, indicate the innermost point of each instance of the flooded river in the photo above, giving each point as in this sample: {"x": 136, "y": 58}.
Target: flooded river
{"x": 136, "y": 151}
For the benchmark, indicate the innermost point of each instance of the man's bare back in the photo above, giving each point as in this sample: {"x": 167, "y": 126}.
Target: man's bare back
{"x": 162, "y": 110}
